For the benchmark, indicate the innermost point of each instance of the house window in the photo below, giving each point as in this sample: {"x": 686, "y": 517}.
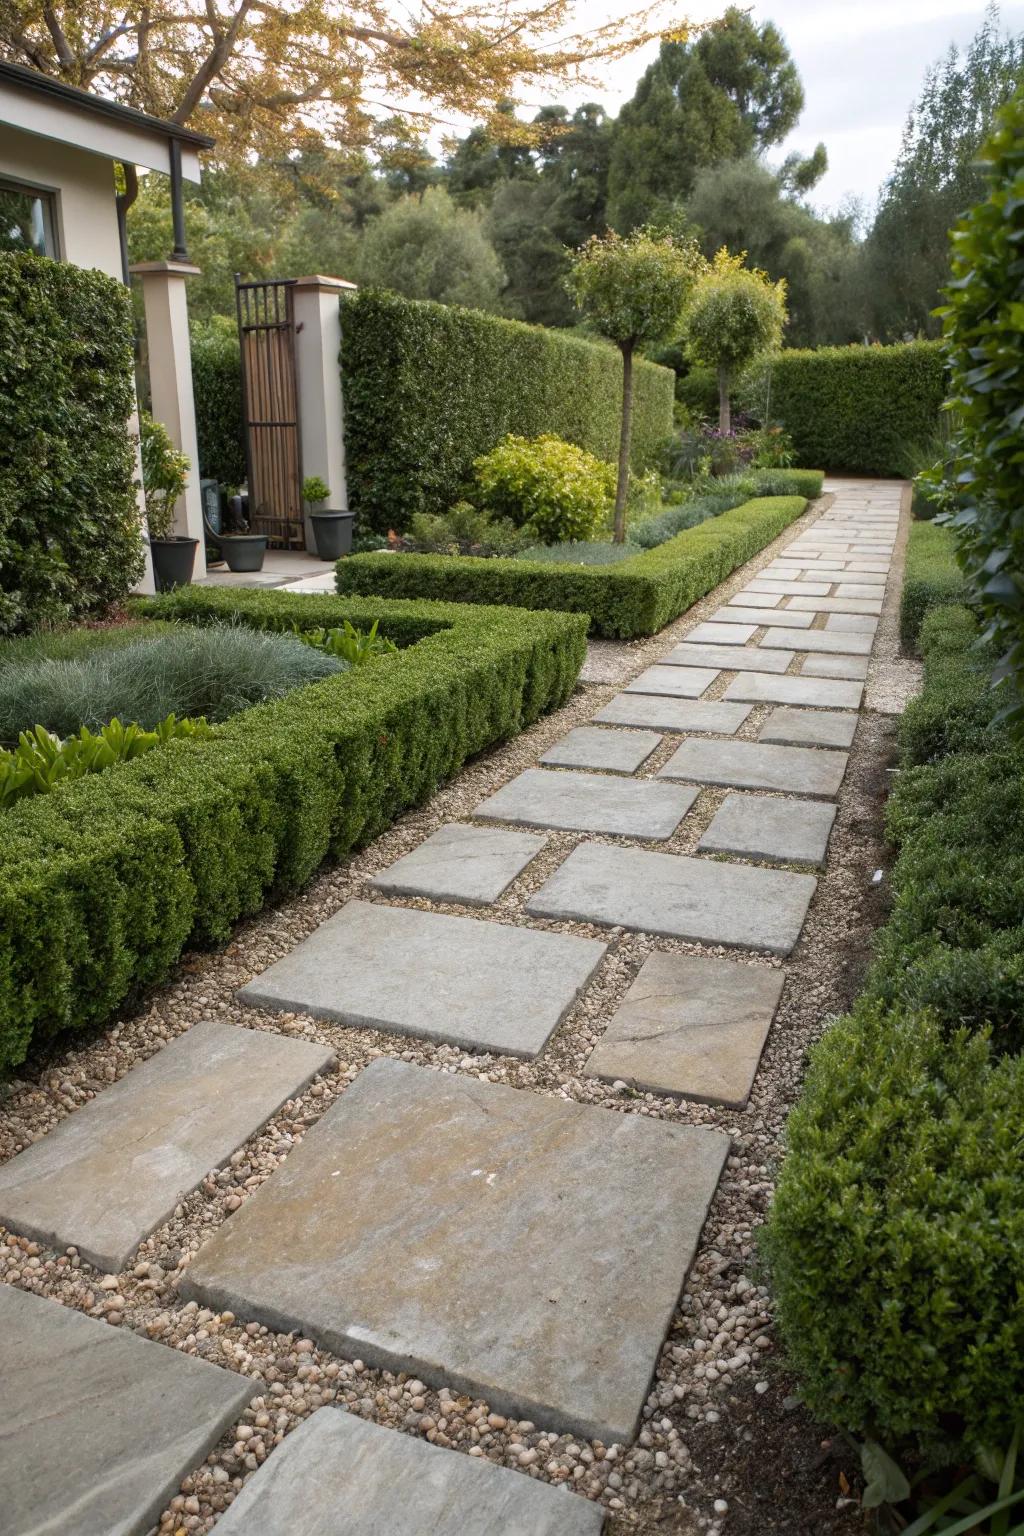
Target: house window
{"x": 26, "y": 220}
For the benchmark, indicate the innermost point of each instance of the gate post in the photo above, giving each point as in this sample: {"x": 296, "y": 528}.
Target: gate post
{"x": 318, "y": 369}
{"x": 170, "y": 376}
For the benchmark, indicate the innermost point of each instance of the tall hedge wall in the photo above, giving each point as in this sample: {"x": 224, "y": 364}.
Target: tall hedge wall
{"x": 429, "y": 387}
{"x": 69, "y": 528}
{"x": 858, "y": 408}
{"x": 217, "y": 382}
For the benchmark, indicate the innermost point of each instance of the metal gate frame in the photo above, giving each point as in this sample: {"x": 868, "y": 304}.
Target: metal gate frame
{"x": 270, "y": 409}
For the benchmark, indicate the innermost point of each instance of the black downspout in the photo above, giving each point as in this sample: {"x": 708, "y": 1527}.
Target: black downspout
{"x": 124, "y": 201}
{"x": 180, "y": 252}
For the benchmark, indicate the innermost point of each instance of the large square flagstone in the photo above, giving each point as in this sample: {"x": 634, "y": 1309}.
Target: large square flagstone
{"x": 479, "y": 1236}
{"x": 100, "y": 1426}
{"x": 788, "y": 830}
{"x": 113, "y": 1171}
{"x": 683, "y": 898}
{"x": 752, "y": 765}
{"x": 472, "y": 865}
{"x": 337, "y": 1475}
{"x": 723, "y": 634}
{"x": 835, "y": 666}
{"x": 691, "y": 1025}
{"x": 790, "y": 727}
{"x": 727, "y": 657}
{"x": 852, "y": 623}
{"x": 673, "y": 715}
{"x": 587, "y": 746}
{"x": 482, "y": 985}
{"x": 818, "y": 640}
{"x": 676, "y": 682}
{"x": 817, "y": 692}
{"x": 586, "y": 802}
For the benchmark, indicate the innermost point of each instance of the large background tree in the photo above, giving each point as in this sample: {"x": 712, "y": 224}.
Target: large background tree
{"x": 428, "y": 248}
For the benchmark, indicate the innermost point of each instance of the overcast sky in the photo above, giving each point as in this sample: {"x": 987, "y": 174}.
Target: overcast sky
{"x": 861, "y": 62}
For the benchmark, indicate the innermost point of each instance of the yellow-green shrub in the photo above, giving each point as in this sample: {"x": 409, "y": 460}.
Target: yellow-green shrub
{"x": 558, "y": 490}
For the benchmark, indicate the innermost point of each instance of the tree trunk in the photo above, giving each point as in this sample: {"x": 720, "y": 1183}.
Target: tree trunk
{"x": 724, "y": 412}
{"x": 622, "y": 486}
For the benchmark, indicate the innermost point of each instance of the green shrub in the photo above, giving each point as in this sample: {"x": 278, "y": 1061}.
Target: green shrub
{"x": 40, "y": 763}
{"x": 431, "y": 387}
{"x": 856, "y": 408}
{"x": 465, "y": 530}
{"x": 896, "y": 1238}
{"x": 956, "y": 707}
{"x": 164, "y": 475}
{"x": 932, "y": 577}
{"x": 217, "y": 384}
{"x": 211, "y": 672}
{"x": 69, "y": 523}
{"x": 103, "y": 884}
{"x": 556, "y": 489}
{"x": 635, "y": 597}
{"x": 697, "y": 390}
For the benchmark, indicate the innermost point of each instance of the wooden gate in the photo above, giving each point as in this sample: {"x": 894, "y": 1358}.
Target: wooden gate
{"x": 270, "y": 409}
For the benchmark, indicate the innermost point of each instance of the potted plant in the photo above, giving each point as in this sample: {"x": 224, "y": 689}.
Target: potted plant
{"x": 164, "y": 476}
{"x": 331, "y": 530}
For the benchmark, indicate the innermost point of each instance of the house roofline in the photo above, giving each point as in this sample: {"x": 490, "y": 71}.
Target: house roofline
{"x": 100, "y": 106}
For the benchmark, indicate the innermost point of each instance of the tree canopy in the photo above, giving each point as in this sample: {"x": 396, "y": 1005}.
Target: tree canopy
{"x": 736, "y": 314}
{"x": 428, "y": 248}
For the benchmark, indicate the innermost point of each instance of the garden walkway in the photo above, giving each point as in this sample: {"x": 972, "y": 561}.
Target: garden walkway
{"x": 519, "y": 1247}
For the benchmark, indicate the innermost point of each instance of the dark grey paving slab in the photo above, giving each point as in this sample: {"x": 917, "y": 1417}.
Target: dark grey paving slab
{"x": 835, "y": 666}
{"x": 683, "y": 898}
{"x": 788, "y": 830}
{"x": 809, "y": 727}
{"x": 487, "y": 986}
{"x": 819, "y": 640}
{"x": 722, "y": 634}
{"x": 690, "y": 1025}
{"x": 675, "y": 682}
{"x": 586, "y": 802}
{"x": 672, "y": 715}
{"x": 820, "y": 693}
{"x": 587, "y": 746}
{"x": 479, "y": 1236}
{"x": 472, "y": 865}
{"x": 730, "y": 614}
{"x": 851, "y": 623}
{"x": 101, "y": 1426}
{"x": 337, "y": 1475}
{"x": 113, "y": 1171}
{"x": 728, "y": 657}
{"x": 752, "y": 765}
{"x": 813, "y": 605}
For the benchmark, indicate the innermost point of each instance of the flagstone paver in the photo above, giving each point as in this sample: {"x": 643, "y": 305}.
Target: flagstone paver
{"x": 786, "y": 830}
{"x": 856, "y": 589}
{"x": 851, "y": 623}
{"x": 337, "y": 1475}
{"x": 785, "y": 616}
{"x": 100, "y": 1426}
{"x": 786, "y": 589}
{"x": 589, "y": 746}
{"x": 819, "y": 640}
{"x": 813, "y": 605}
{"x": 690, "y": 1025}
{"x": 457, "y": 863}
{"x": 752, "y": 765}
{"x": 757, "y": 600}
{"x": 698, "y": 899}
{"x": 724, "y": 656}
{"x": 587, "y": 802}
{"x": 487, "y": 986}
{"x": 675, "y": 682}
{"x": 820, "y": 693}
{"x": 673, "y": 715}
{"x": 479, "y": 1236}
{"x": 723, "y": 634}
{"x": 809, "y": 727}
{"x": 855, "y": 667}
{"x": 109, "y": 1174}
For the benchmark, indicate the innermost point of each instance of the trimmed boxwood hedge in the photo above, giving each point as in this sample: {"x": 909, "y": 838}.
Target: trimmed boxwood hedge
{"x": 635, "y": 597}
{"x": 931, "y": 578}
{"x": 69, "y": 521}
{"x": 858, "y": 408}
{"x": 430, "y": 387}
{"x": 103, "y": 882}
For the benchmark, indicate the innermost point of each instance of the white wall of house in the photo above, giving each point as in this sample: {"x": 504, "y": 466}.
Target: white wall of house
{"x": 82, "y": 185}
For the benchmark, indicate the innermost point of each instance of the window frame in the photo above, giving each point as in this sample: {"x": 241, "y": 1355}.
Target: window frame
{"x": 47, "y": 197}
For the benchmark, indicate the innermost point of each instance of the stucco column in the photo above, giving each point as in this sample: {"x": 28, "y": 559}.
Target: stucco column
{"x": 170, "y": 378}
{"x": 317, "y": 312}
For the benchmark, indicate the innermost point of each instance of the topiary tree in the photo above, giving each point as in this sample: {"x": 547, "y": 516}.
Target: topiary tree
{"x": 982, "y": 327}
{"x": 736, "y": 313}
{"x": 633, "y": 291}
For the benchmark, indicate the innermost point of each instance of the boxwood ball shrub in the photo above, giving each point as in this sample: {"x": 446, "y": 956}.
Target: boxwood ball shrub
{"x": 69, "y": 523}
{"x": 558, "y": 490}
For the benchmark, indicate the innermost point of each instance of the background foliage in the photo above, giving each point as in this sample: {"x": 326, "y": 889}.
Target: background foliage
{"x": 217, "y": 383}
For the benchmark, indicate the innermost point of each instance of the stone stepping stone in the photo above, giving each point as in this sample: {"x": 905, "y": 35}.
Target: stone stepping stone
{"x": 835, "y": 666}
{"x": 827, "y": 573}
{"x": 786, "y": 588}
{"x": 813, "y": 605}
{"x": 690, "y": 1026}
{"x": 857, "y": 589}
{"x": 818, "y": 640}
{"x": 481, "y": 985}
{"x": 675, "y": 682}
{"x": 851, "y": 624}
{"x": 472, "y": 865}
{"x": 682, "y": 898}
{"x": 752, "y": 765}
{"x": 727, "y": 657}
{"x": 777, "y": 616}
{"x": 340, "y": 1475}
{"x": 809, "y": 727}
{"x": 113, "y": 1171}
{"x": 587, "y": 746}
{"x": 821, "y": 693}
{"x": 874, "y": 567}
{"x": 759, "y": 599}
{"x": 587, "y": 802}
{"x": 672, "y": 715}
{"x": 479, "y": 1237}
{"x": 101, "y": 1425}
{"x": 789, "y": 831}
{"x": 723, "y": 634}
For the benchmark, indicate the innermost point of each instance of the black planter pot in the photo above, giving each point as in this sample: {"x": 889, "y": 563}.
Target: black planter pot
{"x": 173, "y": 560}
{"x": 333, "y": 533}
{"x": 243, "y": 551}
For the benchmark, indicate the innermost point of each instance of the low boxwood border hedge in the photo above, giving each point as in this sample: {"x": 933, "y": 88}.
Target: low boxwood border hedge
{"x": 931, "y": 577}
{"x": 636, "y": 597}
{"x": 104, "y": 882}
